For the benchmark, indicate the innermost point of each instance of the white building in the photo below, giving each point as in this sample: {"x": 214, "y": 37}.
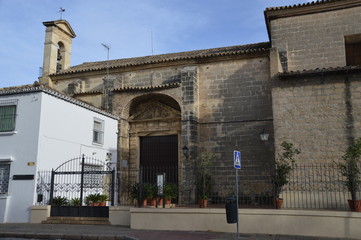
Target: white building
{"x": 39, "y": 130}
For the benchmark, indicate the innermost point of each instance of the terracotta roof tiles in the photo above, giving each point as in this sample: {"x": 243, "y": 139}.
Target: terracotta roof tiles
{"x": 301, "y": 5}
{"x": 41, "y": 88}
{"x": 318, "y": 71}
{"x": 170, "y": 57}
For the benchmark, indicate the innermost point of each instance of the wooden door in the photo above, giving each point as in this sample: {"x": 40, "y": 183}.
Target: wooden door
{"x": 159, "y": 154}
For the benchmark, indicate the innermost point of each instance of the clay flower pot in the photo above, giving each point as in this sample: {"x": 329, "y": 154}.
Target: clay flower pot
{"x": 354, "y": 207}
{"x": 203, "y": 203}
{"x": 153, "y": 202}
{"x": 279, "y": 202}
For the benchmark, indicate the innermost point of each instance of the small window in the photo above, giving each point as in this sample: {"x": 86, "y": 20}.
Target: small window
{"x": 98, "y": 131}
{"x": 353, "y": 50}
{"x": 4, "y": 177}
{"x": 7, "y": 118}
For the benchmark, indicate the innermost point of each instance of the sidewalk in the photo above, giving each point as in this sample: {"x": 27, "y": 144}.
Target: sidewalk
{"x": 109, "y": 232}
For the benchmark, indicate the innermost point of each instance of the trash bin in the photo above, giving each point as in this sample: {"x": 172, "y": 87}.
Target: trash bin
{"x": 231, "y": 209}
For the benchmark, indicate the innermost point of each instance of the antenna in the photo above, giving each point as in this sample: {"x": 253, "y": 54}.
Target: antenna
{"x": 107, "y": 48}
{"x": 105, "y": 88}
{"x": 61, "y": 12}
{"x": 151, "y": 40}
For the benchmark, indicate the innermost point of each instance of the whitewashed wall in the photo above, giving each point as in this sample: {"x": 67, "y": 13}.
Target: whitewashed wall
{"x": 20, "y": 147}
{"x": 50, "y": 131}
{"x": 66, "y": 131}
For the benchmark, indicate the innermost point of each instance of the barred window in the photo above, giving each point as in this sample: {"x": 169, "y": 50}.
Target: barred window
{"x": 7, "y": 118}
{"x": 4, "y": 177}
{"x": 98, "y": 131}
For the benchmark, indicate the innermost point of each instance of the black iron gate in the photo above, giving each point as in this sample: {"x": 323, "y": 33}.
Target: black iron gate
{"x": 78, "y": 186}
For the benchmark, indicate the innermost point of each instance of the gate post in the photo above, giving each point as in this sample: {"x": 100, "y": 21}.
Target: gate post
{"x": 52, "y": 187}
{"x": 82, "y": 180}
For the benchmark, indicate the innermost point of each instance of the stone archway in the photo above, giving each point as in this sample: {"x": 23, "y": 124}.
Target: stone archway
{"x": 154, "y": 120}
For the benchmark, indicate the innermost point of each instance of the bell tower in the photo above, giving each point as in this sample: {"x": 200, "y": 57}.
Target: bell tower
{"x": 57, "y": 48}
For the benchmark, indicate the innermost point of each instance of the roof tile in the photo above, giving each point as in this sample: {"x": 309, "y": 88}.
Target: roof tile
{"x": 170, "y": 57}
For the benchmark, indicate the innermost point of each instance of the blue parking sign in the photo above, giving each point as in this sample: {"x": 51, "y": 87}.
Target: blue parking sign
{"x": 237, "y": 159}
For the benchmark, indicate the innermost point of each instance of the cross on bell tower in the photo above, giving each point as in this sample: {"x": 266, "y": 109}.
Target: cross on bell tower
{"x": 61, "y": 12}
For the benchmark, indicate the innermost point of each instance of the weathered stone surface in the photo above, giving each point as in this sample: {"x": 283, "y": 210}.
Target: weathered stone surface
{"x": 316, "y": 40}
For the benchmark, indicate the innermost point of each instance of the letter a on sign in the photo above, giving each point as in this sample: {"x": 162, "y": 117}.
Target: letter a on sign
{"x": 237, "y": 159}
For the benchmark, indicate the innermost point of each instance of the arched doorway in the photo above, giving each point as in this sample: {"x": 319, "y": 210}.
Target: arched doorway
{"x": 154, "y": 130}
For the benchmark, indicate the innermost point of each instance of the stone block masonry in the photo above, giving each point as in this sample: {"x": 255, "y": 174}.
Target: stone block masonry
{"x": 315, "y": 40}
{"x": 235, "y": 105}
{"x": 315, "y": 116}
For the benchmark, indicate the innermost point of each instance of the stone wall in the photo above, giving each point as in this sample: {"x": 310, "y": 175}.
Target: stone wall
{"x": 223, "y": 106}
{"x": 317, "y": 40}
{"x": 235, "y": 105}
{"x": 320, "y": 115}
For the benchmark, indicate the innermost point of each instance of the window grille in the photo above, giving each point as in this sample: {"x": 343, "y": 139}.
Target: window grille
{"x": 7, "y": 118}
{"x": 4, "y": 177}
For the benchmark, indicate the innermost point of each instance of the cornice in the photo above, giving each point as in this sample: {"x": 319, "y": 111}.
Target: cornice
{"x": 273, "y": 13}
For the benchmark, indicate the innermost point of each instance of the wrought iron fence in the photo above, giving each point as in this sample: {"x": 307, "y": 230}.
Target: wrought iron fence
{"x": 75, "y": 179}
{"x": 316, "y": 186}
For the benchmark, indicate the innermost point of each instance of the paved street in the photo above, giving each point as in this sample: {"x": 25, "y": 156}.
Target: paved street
{"x": 107, "y": 232}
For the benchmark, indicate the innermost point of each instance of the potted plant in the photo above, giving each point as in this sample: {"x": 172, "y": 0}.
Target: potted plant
{"x": 59, "y": 205}
{"x": 134, "y": 193}
{"x": 103, "y": 198}
{"x": 284, "y": 165}
{"x": 203, "y": 201}
{"x": 60, "y": 201}
{"x": 75, "y": 202}
{"x": 152, "y": 194}
{"x": 147, "y": 193}
{"x": 93, "y": 199}
{"x": 170, "y": 192}
{"x": 350, "y": 169}
{"x": 204, "y": 177}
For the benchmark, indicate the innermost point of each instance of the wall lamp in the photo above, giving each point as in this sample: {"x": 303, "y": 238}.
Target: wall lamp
{"x": 185, "y": 151}
{"x": 264, "y": 136}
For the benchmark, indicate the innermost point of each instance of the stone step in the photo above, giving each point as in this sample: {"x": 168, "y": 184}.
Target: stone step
{"x": 77, "y": 220}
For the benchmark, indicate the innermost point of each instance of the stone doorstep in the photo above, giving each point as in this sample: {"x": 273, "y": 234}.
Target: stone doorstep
{"x": 77, "y": 220}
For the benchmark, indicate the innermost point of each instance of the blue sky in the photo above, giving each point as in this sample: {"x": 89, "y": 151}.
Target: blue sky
{"x": 126, "y": 26}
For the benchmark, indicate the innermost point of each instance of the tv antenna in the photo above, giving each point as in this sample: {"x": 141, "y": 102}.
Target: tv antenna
{"x": 107, "y": 48}
{"x": 151, "y": 40}
{"x": 106, "y": 90}
{"x": 61, "y": 12}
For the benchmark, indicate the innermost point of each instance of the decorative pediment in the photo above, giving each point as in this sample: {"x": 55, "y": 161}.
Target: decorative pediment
{"x": 154, "y": 110}
{"x": 63, "y": 25}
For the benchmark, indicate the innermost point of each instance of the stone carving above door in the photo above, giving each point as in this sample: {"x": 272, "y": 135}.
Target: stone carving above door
{"x": 154, "y": 110}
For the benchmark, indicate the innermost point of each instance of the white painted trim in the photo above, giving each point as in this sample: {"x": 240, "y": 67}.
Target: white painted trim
{"x": 7, "y": 159}
{"x": 8, "y": 133}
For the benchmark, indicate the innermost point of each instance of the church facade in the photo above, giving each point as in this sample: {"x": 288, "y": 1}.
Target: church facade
{"x": 303, "y": 86}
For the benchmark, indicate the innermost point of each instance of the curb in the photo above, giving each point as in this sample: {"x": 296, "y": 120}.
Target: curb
{"x": 63, "y": 236}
